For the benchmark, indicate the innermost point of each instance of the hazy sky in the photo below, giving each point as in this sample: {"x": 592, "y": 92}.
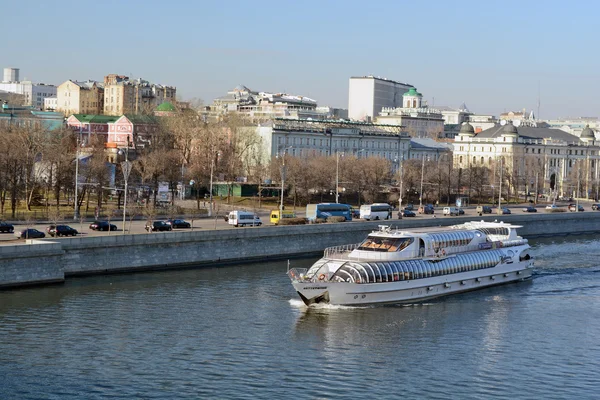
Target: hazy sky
{"x": 490, "y": 54}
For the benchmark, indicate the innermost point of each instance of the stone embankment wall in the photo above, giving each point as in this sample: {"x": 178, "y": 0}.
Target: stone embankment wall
{"x": 47, "y": 260}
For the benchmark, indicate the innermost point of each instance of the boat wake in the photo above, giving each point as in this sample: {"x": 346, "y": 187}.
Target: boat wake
{"x": 322, "y": 306}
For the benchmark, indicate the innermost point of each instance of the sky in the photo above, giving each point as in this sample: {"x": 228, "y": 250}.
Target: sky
{"x": 495, "y": 56}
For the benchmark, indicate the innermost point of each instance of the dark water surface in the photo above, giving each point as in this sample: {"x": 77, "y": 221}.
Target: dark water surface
{"x": 240, "y": 332}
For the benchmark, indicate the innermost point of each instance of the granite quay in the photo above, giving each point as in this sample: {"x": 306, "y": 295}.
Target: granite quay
{"x": 51, "y": 261}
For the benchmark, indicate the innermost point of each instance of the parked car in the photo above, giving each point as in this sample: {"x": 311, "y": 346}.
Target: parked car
{"x": 460, "y": 211}
{"x": 6, "y": 228}
{"x": 505, "y": 210}
{"x": 178, "y": 223}
{"x": 576, "y": 207}
{"x": 483, "y": 210}
{"x": 426, "y": 209}
{"x": 102, "y": 226}
{"x": 61, "y": 230}
{"x": 409, "y": 207}
{"x": 355, "y": 212}
{"x": 530, "y": 209}
{"x": 408, "y": 213}
{"x": 595, "y": 207}
{"x": 158, "y": 226}
{"x": 551, "y": 207}
{"x": 30, "y": 234}
{"x": 451, "y": 211}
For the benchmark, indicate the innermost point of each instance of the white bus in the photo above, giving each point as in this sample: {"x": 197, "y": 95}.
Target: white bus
{"x": 375, "y": 211}
{"x": 243, "y": 218}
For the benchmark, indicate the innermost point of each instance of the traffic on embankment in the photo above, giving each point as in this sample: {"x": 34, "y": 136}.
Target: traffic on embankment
{"x": 53, "y": 260}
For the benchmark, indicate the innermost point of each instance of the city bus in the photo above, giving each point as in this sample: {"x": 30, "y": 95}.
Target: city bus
{"x": 326, "y": 210}
{"x": 375, "y": 211}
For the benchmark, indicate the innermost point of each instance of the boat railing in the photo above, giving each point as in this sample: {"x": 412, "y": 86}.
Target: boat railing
{"x": 339, "y": 252}
{"x": 297, "y": 274}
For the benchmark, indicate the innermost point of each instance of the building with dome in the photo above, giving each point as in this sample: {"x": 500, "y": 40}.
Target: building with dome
{"x": 419, "y": 120}
{"x": 552, "y": 160}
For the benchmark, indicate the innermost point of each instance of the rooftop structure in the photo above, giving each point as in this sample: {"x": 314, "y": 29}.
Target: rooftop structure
{"x": 419, "y": 120}
{"x": 261, "y": 106}
{"x": 368, "y": 95}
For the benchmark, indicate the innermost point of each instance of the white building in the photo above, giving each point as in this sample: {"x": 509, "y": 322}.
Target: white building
{"x": 305, "y": 138}
{"x": 369, "y": 95}
{"x": 261, "y": 106}
{"x": 50, "y": 103}
{"x": 419, "y": 120}
{"x": 550, "y": 159}
{"x": 34, "y": 93}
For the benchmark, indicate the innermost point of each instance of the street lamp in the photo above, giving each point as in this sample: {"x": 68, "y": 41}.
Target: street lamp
{"x": 282, "y": 178}
{"x": 76, "y": 207}
{"x": 337, "y": 176}
{"x": 422, "y": 174}
{"x": 212, "y": 167}
{"x": 500, "y": 187}
{"x": 401, "y": 171}
{"x": 126, "y": 168}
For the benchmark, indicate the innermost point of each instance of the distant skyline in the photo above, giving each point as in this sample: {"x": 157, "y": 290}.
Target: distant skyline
{"x": 491, "y": 56}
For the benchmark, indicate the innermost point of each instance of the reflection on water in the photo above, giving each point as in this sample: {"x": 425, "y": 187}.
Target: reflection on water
{"x": 242, "y": 332}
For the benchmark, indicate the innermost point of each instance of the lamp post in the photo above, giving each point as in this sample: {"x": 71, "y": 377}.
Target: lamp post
{"x": 401, "y": 171}
{"x": 282, "y": 178}
{"x": 126, "y": 168}
{"x": 500, "y": 189}
{"x": 212, "y": 167}
{"x": 76, "y": 206}
{"x": 422, "y": 174}
{"x": 337, "y": 176}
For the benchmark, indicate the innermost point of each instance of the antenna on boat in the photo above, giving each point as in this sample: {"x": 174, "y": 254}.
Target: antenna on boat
{"x": 288, "y": 265}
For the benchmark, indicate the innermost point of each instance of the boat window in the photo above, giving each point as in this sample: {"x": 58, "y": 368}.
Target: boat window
{"x": 384, "y": 244}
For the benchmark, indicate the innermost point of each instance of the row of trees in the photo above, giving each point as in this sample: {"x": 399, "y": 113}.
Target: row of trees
{"x": 37, "y": 168}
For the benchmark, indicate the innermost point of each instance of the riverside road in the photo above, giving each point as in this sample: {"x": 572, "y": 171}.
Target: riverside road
{"x": 137, "y": 226}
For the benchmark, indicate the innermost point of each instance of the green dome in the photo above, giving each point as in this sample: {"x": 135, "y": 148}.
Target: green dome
{"x": 166, "y": 106}
{"x": 413, "y": 92}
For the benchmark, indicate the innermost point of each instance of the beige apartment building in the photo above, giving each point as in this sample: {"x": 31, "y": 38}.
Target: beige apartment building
{"x": 137, "y": 96}
{"x": 75, "y": 97}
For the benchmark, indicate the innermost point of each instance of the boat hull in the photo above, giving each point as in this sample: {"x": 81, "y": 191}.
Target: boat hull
{"x": 410, "y": 291}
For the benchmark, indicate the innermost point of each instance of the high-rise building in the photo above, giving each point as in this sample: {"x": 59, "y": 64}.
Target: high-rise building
{"x": 368, "y": 95}
{"x": 11, "y": 75}
{"x": 134, "y": 96}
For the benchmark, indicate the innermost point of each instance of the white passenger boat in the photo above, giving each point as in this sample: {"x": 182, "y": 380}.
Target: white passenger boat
{"x": 399, "y": 266}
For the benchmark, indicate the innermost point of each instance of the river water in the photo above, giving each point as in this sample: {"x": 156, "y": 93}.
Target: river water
{"x": 240, "y": 332}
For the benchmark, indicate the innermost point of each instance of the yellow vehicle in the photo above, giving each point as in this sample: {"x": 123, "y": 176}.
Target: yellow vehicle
{"x": 285, "y": 214}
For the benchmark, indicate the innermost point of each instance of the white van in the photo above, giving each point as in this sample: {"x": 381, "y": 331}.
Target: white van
{"x": 242, "y": 218}
{"x": 450, "y": 211}
{"x": 375, "y": 211}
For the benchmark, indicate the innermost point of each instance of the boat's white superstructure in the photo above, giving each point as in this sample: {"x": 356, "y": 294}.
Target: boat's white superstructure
{"x": 396, "y": 266}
